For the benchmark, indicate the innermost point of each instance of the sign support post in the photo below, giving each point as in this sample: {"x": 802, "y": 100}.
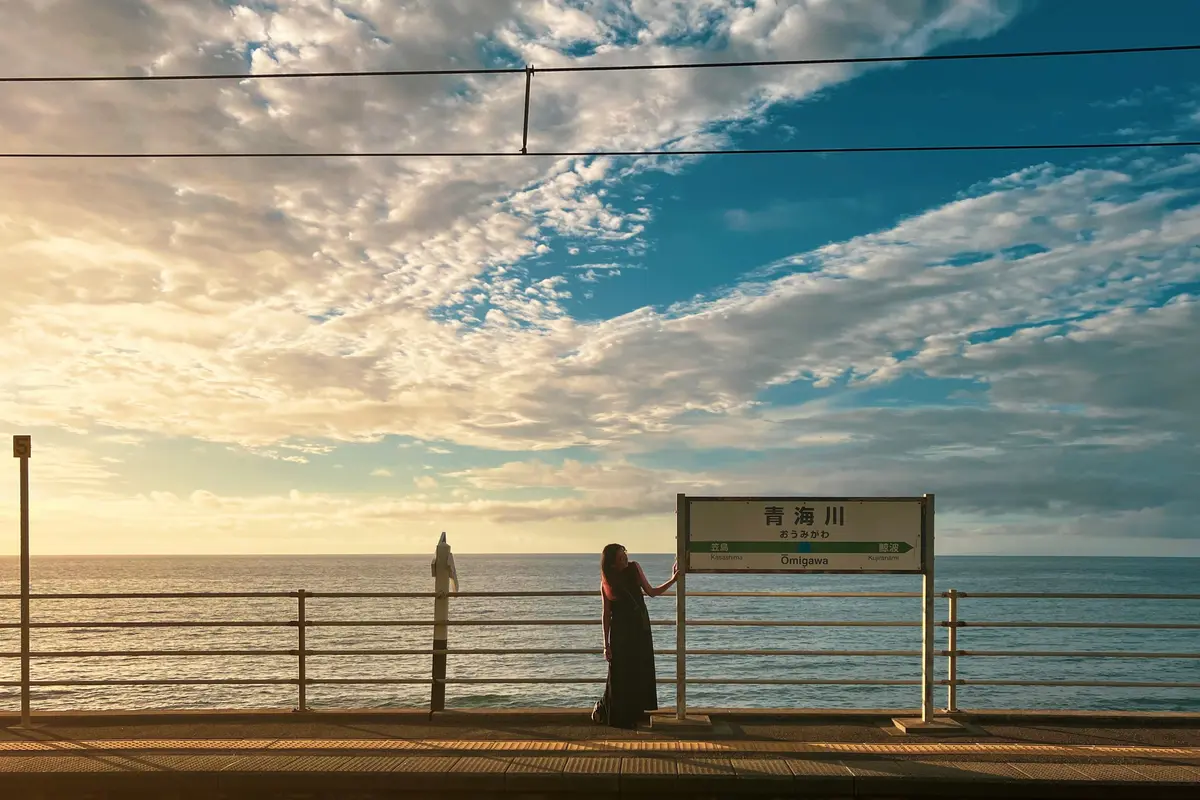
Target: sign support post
{"x": 927, "y": 725}
{"x": 928, "y": 616}
{"x": 23, "y": 449}
{"x": 681, "y": 718}
{"x": 681, "y": 608}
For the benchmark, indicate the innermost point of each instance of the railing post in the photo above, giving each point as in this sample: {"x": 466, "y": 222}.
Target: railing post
{"x": 23, "y": 449}
{"x": 441, "y": 614}
{"x": 302, "y": 643}
{"x": 681, "y": 530}
{"x": 928, "y": 616}
{"x": 952, "y": 652}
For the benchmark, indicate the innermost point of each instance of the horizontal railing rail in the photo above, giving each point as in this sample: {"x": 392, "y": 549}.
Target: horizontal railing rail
{"x": 516, "y": 651}
{"x": 150, "y": 653}
{"x": 1069, "y": 596}
{"x": 1048, "y": 624}
{"x": 304, "y": 623}
{"x": 596, "y": 593}
{"x": 156, "y": 624}
{"x": 156, "y": 596}
{"x": 1070, "y": 654}
{"x": 482, "y": 623}
{"x": 428, "y": 595}
{"x": 1109, "y": 684}
{"x": 955, "y": 623}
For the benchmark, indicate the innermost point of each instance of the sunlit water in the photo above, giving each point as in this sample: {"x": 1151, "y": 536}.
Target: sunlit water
{"x": 547, "y": 573}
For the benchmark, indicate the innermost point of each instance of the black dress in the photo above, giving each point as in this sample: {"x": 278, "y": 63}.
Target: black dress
{"x": 631, "y": 690}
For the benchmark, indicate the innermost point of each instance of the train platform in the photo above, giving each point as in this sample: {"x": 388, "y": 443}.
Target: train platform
{"x": 323, "y": 755}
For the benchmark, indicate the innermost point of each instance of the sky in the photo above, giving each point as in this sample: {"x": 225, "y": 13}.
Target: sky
{"x": 261, "y": 356}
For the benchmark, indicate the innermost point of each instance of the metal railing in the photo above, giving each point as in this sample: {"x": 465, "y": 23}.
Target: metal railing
{"x": 442, "y": 622}
{"x": 954, "y": 652}
{"x": 303, "y": 623}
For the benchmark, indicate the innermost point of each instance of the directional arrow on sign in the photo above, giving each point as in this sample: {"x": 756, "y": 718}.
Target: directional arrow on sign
{"x": 800, "y": 547}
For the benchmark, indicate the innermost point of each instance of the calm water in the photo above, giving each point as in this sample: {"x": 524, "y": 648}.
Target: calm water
{"x": 533, "y": 573}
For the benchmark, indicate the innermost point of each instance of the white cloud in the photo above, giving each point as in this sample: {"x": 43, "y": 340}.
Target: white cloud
{"x": 1129, "y": 361}
{"x": 1105, "y": 238}
{"x": 55, "y": 467}
{"x": 332, "y": 300}
{"x": 572, "y": 474}
{"x": 381, "y": 472}
{"x": 125, "y": 439}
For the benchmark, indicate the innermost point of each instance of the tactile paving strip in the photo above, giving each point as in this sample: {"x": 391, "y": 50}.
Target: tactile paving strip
{"x": 622, "y": 746}
{"x": 38, "y": 746}
{"x": 308, "y": 745}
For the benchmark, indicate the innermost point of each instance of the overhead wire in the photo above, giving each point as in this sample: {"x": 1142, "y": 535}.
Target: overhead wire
{"x": 451, "y": 71}
{"x": 622, "y": 153}
{"x": 530, "y": 70}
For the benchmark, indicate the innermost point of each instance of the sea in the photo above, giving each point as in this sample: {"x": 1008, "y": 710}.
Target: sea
{"x": 532, "y": 573}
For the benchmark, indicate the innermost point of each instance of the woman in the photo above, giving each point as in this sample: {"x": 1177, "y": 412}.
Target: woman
{"x": 631, "y": 692}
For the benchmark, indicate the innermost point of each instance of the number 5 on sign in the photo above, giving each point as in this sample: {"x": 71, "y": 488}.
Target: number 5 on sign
{"x": 22, "y": 446}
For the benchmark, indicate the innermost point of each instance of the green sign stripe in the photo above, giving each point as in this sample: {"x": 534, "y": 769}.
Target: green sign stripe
{"x": 790, "y": 546}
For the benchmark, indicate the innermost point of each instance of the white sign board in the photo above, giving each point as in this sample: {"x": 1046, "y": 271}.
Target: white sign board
{"x": 805, "y": 534}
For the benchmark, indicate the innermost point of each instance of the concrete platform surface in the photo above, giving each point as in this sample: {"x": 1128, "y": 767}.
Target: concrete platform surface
{"x": 1165, "y": 730}
{"x": 369, "y": 757}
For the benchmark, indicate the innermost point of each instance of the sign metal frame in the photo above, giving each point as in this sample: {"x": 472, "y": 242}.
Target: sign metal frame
{"x": 684, "y": 510}
{"x": 683, "y": 542}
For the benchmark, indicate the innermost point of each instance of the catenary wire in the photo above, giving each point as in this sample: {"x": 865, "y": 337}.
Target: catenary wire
{"x": 622, "y": 153}
{"x": 404, "y": 73}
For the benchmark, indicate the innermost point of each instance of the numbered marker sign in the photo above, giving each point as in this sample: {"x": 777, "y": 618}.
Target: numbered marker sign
{"x": 22, "y": 446}
{"x": 806, "y": 534}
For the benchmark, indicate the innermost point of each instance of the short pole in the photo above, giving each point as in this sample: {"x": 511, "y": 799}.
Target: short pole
{"x": 441, "y": 615}
{"x": 301, "y": 641}
{"x": 525, "y": 127}
{"x": 952, "y": 651}
{"x": 681, "y": 531}
{"x": 928, "y": 621}
{"x": 23, "y": 449}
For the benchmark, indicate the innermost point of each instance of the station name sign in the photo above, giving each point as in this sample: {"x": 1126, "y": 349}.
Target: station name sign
{"x": 805, "y": 534}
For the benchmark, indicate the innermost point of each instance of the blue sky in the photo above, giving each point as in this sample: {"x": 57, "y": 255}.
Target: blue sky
{"x": 535, "y": 356}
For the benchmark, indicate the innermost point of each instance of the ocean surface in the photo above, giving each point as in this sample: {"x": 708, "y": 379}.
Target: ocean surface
{"x": 557, "y": 572}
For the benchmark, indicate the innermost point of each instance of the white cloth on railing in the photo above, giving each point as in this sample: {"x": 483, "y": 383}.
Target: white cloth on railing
{"x": 453, "y": 573}
{"x": 449, "y": 564}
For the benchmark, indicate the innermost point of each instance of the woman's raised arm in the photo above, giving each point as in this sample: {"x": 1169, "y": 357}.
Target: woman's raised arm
{"x": 655, "y": 591}
{"x": 606, "y": 624}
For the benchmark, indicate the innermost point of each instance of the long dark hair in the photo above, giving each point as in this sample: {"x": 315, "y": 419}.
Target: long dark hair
{"x": 608, "y": 560}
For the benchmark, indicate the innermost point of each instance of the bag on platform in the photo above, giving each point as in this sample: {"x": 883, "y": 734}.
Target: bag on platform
{"x": 600, "y": 712}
